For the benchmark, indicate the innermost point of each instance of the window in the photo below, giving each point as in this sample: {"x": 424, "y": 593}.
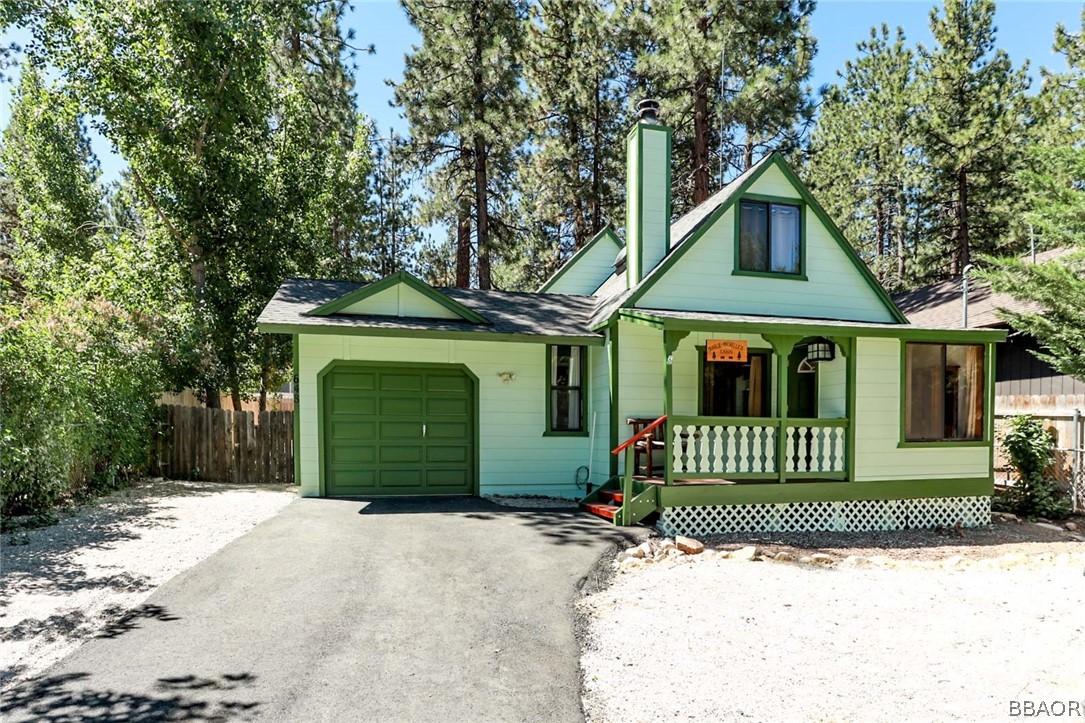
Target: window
{"x": 736, "y": 389}
{"x": 770, "y": 238}
{"x": 943, "y": 393}
{"x": 565, "y": 366}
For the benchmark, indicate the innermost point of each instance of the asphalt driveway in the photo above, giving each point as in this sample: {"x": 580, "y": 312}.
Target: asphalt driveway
{"x": 335, "y": 610}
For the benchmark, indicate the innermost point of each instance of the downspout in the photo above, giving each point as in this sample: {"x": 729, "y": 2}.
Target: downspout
{"x": 964, "y": 296}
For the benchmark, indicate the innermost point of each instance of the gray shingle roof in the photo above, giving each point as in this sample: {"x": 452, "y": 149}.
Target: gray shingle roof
{"x": 508, "y": 312}
{"x": 939, "y": 304}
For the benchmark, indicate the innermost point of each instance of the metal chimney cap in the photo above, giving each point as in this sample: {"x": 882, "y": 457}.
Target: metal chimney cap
{"x": 648, "y": 110}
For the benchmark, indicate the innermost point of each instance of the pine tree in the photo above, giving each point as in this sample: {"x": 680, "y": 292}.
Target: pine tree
{"x": 862, "y": 161}
{"x": 391, "y": 223}
{"x": 972, "y": 125}
{"x": 572, "y": 178}
{"x": 733, "y": 78}
{"x": 462, "y": 96}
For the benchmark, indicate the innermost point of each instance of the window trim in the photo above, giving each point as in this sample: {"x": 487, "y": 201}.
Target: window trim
{"x": 585, "y": 375}
{"x": 737, "y": 270}
{"x": 771, "y": 361}
{"x": 988, "y": 398}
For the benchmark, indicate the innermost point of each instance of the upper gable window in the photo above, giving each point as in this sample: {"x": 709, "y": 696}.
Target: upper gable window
{"x": 770, "y": 238}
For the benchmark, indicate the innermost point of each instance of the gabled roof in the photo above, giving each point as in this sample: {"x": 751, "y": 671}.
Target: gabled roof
{"x": 515, "y": 316}
{"x": 605, "y": 234}
{"x": 400, "y": 277}
{"x": 940, "y": 304}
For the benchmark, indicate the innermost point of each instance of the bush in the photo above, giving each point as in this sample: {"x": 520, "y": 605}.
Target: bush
{"x": 77, "y": 390}
{"x": 1031, "y": 451}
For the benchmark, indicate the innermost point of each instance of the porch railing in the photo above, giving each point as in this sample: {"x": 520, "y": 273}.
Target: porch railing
{"x": 756, "y": 447}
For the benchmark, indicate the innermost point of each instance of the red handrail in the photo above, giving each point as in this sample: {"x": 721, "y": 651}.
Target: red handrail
{"x": 639, "y": 435}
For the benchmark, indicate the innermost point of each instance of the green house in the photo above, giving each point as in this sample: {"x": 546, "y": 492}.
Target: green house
{"x": 743, "y": 346}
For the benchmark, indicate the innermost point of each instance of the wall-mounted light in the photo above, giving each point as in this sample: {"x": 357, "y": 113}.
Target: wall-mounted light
{"x": 820, "y": 350}
{"x": 506, "y": 376}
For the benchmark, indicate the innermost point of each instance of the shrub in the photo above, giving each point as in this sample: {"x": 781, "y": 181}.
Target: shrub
{"x": 77, "y": 391}
{"x": 1031, "y": 451}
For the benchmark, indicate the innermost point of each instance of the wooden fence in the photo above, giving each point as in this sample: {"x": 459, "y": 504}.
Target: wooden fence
{"x": 219, "y": 445}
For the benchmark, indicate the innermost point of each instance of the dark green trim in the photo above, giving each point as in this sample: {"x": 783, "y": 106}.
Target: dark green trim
{"x": 889, "y": 331}
{"x": 645, "y": 503}
{"x": 351, "y": 330}
{"x": 852, "y": 362}
{"x": 614, "y": 351}
{"x": 671, "y": 341}
{"x": 407, "y": 279}
{"x": 774, "y": 160}
{"x": 335, "y": 363}
{"x": 585, "y": 375}
{"x": 782, "y": 201}
{"x": 988, "y": 406}
{"x": 700, "y": 495}
{"x": 297, "y": 410}
{"x": 607, "y": 232}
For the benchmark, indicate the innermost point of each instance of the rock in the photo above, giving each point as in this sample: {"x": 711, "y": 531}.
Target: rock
{"x": 634, "y": 552}
{"x": 766, "y": 555}
{"x": 1048, "y": 526}
{"x": 820, "y": 558}
{"x": 645, "y": 548}
{"x": 666, "y": 543}
{"x": 688, "y": 545}
{"x": 748, "y": 553}
{"x": 1072, "y": 526}
{"x": 631, "y": 563}
{"x": 720, "y": 554}
{"x": 784, "y": 556}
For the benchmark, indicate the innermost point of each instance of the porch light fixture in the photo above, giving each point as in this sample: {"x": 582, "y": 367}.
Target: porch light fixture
{"x": 820, "y": 350}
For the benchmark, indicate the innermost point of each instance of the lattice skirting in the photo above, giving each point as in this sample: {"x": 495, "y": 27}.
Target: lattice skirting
{"x": 846, "y": 516}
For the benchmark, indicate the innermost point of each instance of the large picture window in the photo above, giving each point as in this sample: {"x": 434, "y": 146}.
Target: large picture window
{"x": 943, "y": 394}
{"x": 566, "y": 388}
{"x": 770, "y": 237}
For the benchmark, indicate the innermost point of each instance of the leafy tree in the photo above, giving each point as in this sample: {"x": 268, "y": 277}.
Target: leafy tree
{"x": 571, "y": 180}
{"x": 464, "y": 102}
{"x": 972, "y": 124}
{"x": 862, "y": 162}
{"x": 763, "y": 52}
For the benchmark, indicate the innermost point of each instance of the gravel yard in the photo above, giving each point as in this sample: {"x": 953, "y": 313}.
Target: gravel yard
{"x": 68, "y": 581}
{"x": 914, "y": 626}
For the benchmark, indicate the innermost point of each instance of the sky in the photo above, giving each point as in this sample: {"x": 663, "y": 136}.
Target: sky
{"x": 1025, "y": 31}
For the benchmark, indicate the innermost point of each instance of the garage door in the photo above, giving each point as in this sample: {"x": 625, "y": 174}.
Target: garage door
{"x": 405, "y": 431}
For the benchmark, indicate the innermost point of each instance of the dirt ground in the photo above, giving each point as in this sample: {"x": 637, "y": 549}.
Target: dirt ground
{"x": 65, "y": 582}
{"x": 910, "y": 626}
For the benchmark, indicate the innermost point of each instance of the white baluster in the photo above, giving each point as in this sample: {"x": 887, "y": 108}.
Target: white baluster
{"x": 718, "y": 461}
{"x": 676, "y": 448}
{"x": 732, "y": 462}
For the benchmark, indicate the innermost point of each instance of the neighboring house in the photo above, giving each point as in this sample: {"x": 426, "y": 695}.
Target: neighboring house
{"x": 1024, "y": 384}
{"x": 797, "y": 396}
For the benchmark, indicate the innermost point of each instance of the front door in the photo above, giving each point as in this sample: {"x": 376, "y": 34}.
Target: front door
{"x": 737, "y": 389}
{"x": 802, "y": 386}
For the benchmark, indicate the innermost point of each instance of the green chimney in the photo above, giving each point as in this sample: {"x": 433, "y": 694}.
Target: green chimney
{"x": 647, "y": 193}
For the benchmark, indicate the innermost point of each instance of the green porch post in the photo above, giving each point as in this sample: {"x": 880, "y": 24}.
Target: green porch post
{"x": 671, "y": 340}
{"x": 848, "y": 347}
{"x": 781, "y": 347}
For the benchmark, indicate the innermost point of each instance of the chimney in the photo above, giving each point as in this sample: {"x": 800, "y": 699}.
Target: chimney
{"x": 647, "y": 192}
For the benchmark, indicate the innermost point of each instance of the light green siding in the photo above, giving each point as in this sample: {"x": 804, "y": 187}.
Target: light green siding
{"x": 588, "y": 268}
{"x": 877, "y": 426}
{"x": 599, "y": 413}
{"x": 400, "y": 300}
{"x": 514, "y": 456}
{"x": 648, "y": 198}
{"x": 702, "y": 280}
{"x": 833, "y": 387}
{"x": 640, "y": 383}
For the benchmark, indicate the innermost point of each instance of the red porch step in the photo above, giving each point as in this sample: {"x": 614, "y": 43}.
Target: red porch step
{"x": 614, "y": 496}
{"x": 605, "y": 511}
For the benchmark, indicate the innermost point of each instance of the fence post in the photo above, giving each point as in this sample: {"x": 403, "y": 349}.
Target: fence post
{"x": 1076, "y": 483}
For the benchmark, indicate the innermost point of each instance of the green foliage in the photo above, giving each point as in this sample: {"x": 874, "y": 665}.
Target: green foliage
{"x": 1031, "y": 451}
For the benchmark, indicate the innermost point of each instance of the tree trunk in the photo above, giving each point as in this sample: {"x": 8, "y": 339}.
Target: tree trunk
{"x": 964, "y": 253}
{"x": 235, "y": 398}
{"x": 463, "y": 249}
{"x": 212, "y": 397}
{"x": 596, "y": 207}
{"x": 482, "y": 225}
{"x": 701, "y": 134}
{"x": 880, "y": 235}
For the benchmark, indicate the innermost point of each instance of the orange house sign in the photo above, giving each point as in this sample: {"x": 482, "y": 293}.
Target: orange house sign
{"x": 725, "y": 350}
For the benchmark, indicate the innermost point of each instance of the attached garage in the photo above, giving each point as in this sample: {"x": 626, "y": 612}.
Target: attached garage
{"x": 398, "y": 430}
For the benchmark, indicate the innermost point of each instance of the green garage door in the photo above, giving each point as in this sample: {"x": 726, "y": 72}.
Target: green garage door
{"x": 398, "y": 431}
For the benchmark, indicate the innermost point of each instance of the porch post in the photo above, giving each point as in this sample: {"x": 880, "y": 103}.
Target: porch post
{"x": 781, "y": 347}
{"x": 848, "y": 346}
{"x": 671, "y": 340}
